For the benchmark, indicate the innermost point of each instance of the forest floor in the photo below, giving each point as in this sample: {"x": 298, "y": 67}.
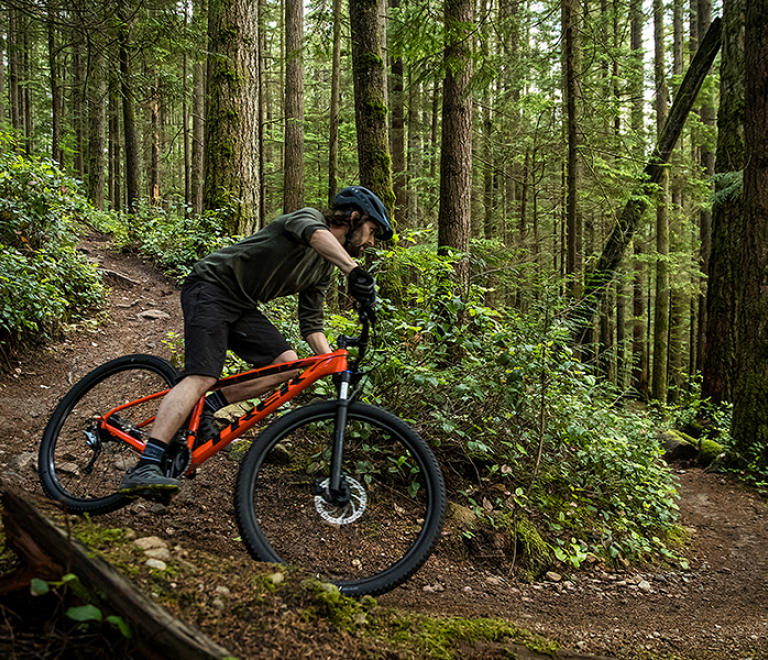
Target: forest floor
{"x": 716, "y": 609}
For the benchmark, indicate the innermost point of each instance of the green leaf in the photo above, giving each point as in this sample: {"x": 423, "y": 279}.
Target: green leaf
{"x": 38, "y": 587}
{"x": 119, "y": 623}
{"x": 84, "y": 613}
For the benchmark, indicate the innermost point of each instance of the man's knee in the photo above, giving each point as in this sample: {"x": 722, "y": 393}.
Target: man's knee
{"x": 197, "y": 383}
{"x": 288, "y": 356}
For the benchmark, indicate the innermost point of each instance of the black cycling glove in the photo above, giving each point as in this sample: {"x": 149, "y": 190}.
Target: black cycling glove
{"x": 361, "y": 286}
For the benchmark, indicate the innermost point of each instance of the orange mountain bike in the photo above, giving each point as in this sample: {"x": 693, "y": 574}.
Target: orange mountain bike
{"x": 362, "y": 491}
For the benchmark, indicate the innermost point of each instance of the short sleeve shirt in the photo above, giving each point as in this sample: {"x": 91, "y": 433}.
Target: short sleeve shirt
{"x": 275, "y": 262}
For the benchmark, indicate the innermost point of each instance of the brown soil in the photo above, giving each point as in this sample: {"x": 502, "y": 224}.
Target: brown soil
{"x": 716, "y": 609}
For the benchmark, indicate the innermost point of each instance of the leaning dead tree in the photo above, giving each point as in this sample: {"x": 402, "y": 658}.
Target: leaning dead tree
{"x": 598, "y": 279}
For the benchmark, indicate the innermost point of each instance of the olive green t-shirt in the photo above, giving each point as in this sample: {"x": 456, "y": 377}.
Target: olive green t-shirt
{"x": 274, "y": 262}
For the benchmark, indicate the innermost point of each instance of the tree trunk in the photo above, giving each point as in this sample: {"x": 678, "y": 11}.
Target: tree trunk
{"x": 571, "y": 19}
{"x": 454, "y": 221}
{"x": 114, "y": 180}
{"x": 293, "y": 185}
{"x": 199, "y": 17}
{"x": 56, "y": 97}
{"x": 14, "y": 94}
{"x": 129, "y": 116}
{"x": 398, "y": 133}
{"x": 97, "y": 120}
{"x": 231, "y": 139}
{"x": 661, "y": 308}
{"x": 78, "y": 103}
{"x": 704, "y": 17}
{"x": 370, "y": 100}
{"x": 333, "y": 158}
{"x": 750, "y": 414}
{"x": 415, "y": 146}
{"x": 153, "y": 139}
{"x": 720, "y": 345}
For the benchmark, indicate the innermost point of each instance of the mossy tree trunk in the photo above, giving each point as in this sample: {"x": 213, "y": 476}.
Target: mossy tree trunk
{"x": 454, "y": 221}
{"x": 750, "y": 414}
{"x": 721, "y": 341}
{"x": 370, "y": 99}
{"x": 231, "y": 131}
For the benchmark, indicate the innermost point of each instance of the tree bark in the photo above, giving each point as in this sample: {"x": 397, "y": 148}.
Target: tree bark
{"x": 231, "y": 139}
{"x": 397, "y": 102}
{"x": 454, "y": 221}
{"x": 661, "y": 307}
{"x": 750, "y": 414}
{"x": 97, "y": 120}
{"x": 622, "y": 234}
{"x": 14, "y": 95}
{"x": 200, "y": 19}
{"x": 56, "y": 96}
{"x": 293, "y": 185}
{"x": 370, "y": 100}
{"x": 721, "y": 342}
{"x": 571, "y": 19}
{"x": 333, "y": 150}
{"x": 129, "y": 117}
{"x": 704, "y": 17}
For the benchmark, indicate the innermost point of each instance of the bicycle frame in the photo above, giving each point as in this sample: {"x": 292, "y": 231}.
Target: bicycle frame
{"x": 313, "y": 369}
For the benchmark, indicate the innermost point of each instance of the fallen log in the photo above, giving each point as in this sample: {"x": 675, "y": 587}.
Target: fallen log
{"x": 43, "y": 546}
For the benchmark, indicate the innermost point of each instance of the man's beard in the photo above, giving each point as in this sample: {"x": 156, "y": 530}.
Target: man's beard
{"x": 354, "y": 246}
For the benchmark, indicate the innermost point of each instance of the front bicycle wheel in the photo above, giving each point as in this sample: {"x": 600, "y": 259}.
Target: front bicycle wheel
{"x": 81, "y": 465}
{"x": 392, "y": 507}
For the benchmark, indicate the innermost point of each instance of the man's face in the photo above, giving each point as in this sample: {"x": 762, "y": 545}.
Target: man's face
{"x": 363, "y": 237}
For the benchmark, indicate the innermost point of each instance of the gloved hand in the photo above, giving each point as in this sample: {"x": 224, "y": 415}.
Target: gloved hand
{"x": 361, "y": 287}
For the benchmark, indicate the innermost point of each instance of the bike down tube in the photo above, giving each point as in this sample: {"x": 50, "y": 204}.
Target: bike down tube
{"x": 330, "y": 364}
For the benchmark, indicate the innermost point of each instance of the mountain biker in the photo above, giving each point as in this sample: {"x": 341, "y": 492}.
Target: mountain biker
{"x": 220, "y": 300}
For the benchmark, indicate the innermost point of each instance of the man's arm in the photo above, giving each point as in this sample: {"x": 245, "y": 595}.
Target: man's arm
{"x": 318, "y": 342}
{"x": 327, "y": 246}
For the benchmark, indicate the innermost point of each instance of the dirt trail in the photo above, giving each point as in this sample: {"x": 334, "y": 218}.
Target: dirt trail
{"x": 716, "y": 609}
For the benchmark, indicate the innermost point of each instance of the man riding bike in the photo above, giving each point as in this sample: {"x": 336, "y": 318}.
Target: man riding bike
{"x": 220, "y": 299}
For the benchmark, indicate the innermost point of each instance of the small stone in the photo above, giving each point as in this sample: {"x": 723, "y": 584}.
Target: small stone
{"x": 159, "y": 509}
{"x": 277, "y": 578}
{"x": 428, "y": 588}
{"x": 156, "y": 564}
{"x": 217, "y": 604}
{"x": 163, "y": 554}
{"x": 360, "y": 619}
{"x": 150, "y": 542}
{"x": 467, "y": 589}
{"x": 644, "y": 585}
{"x": 554, "y": 577}
{"x": 494, "y": 580}
{"x": 154, "y": 315}
{"x": 222, "y": 591}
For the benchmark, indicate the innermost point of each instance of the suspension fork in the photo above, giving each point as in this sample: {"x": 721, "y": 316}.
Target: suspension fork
{"x": 337, "y": 452}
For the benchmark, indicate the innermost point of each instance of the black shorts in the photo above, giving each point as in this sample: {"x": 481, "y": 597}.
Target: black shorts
{"x": 215, "y": 322}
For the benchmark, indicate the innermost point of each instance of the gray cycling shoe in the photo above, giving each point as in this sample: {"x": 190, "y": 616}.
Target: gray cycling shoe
{"x": 147, "y": 480}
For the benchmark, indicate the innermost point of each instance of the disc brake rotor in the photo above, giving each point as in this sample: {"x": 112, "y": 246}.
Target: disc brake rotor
{"x": 342, "y": 514}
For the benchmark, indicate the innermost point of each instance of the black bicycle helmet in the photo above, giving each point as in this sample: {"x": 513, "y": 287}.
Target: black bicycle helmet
{"x": 367, "y": 202}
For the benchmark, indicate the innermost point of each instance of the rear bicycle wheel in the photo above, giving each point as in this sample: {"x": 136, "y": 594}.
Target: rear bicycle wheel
{"x": 368, "y": 545}
{"x": 81, "y": 465}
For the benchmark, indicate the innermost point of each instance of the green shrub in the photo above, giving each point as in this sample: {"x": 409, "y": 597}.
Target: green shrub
{"x": 44, "y": 281}
{"x": 175, "y": 239}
